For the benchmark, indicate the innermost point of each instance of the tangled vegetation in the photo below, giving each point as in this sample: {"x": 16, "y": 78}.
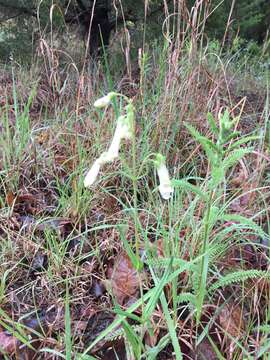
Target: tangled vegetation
{"x": 134, "y": 208}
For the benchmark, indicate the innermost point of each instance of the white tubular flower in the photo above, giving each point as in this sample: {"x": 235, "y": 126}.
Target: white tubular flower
{"x": 124, "y": 127}
{"x": 92, "y": 173}
{"x": 122, "y": 131}
{"x": 165, "y": 188}
{"x": 104, "y": 101}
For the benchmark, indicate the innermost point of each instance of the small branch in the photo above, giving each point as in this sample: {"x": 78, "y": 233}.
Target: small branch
{"x": 10, "y": 17}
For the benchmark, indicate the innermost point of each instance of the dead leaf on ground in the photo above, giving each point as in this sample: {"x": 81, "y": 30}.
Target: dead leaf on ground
{"x": 242, "y": 182}
{"x": 151, "y": 335}
{"x": 97, "y": 323}
{"x": 25, "y": 202}
{"x": 204, "y": 351}
{"x": 44, "y": 136}
{"x": 8, "y": 343}
{"x": 231, "y": 320}
{"x": 124, "y": 278}
{"x": 10, "y": 198}
{"x": 240, "y": 177}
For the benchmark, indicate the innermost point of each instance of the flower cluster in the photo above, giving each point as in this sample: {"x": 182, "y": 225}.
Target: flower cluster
{"x": 124, "y": 129}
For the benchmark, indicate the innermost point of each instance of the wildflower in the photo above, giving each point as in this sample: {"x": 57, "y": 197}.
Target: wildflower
{"x": 165, "y": 187}
{"x": 105, "y": 100}
{"x": 123, "y": 131}
{"x": 92, "y": 173}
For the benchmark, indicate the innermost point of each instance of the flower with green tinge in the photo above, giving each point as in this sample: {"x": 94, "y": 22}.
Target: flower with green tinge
{"x": 105, "y": 100}
{"x": 165, "y": 187}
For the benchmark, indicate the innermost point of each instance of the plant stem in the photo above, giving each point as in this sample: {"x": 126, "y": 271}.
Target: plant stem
{"x": 204, "y": 262}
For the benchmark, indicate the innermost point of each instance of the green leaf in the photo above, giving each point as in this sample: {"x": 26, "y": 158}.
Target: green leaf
{"x": 150, "y": 306}
{"x": 234, "y": 157}
{"x": 218, "y": 175}
{"x": 212, "y": 122}
{"x": 54, "y": 352}
{"x": 225, "y": 120}
{"x": 68, "y": 336}
{"x": 118, "y": 321}
{"x": 170, "y": 323}
{"x": 136, "y": 261}
{"x": 84, "y": 357}
{"x": 231, "y": 136}
{"x": 184, "y": 184}
{"x": 133, "y": 339}
{"x": 186, "y": 297}
{"x": 243, "y": 221}
{"x": 244, "y": 140}
{"x": 211, "y": 149}
{"x": 18, "y": 333}
{"x": 239, "y": 276}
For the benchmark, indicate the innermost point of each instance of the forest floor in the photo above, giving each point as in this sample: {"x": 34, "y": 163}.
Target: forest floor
{"x": 115, "y": 271}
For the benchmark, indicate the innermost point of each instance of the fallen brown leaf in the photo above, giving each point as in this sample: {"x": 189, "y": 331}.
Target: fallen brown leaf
{"x": 10, "y": 198}
{"x": 231, "y": 320}
{"x": 8, "y": 343}
{"x": 204, "y": 351}
{"x": 151, "y": 336}
{"x": 240, "y": 178}
{"x": 124, "y": 278}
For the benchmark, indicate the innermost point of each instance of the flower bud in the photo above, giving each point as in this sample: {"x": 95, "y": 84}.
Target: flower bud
{"x": 104, "y": 101}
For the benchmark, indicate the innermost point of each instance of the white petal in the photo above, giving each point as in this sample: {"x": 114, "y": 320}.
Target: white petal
{"x": 166, "y": 191}
{"x": 105, "y": 100}
{"x": 163, "y": 174}
{"x": 165, "y": 187}
{"x": 92, "y": 174}
{"x": 102, "y": 102}
{"x": 106, "y": 157}
{"x": 115, "y": 144}
{"x": 124, "y": 127}
{"x": 122, "y": 131}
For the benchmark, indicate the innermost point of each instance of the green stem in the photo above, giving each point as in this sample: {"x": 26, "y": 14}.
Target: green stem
{"x": 204, "y": 262}
{"x": 135, "y": 192}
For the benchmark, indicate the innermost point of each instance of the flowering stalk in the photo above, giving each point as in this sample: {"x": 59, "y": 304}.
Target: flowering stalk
{"x": 124, "y": 130}
{"x": 165, "y": 187}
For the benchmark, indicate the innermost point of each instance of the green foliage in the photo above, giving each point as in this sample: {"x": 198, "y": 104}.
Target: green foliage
{"x": 22, "y": 24}
{"x": 221, "y": 158}
{"x": 249, "y": 21}
{"x": 238, "y": 276}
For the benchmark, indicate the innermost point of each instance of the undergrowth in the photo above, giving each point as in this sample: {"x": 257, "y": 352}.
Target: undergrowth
{"x": 115, "y": 270}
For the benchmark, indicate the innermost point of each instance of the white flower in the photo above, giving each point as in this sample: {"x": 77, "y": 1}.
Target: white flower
{"x": 166, "y": 191}
{"x": 124, "y": 129}
{"x": 92, "y": 173}
{"x": 165, "y": 188}
{"x": 105, "y": 100}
